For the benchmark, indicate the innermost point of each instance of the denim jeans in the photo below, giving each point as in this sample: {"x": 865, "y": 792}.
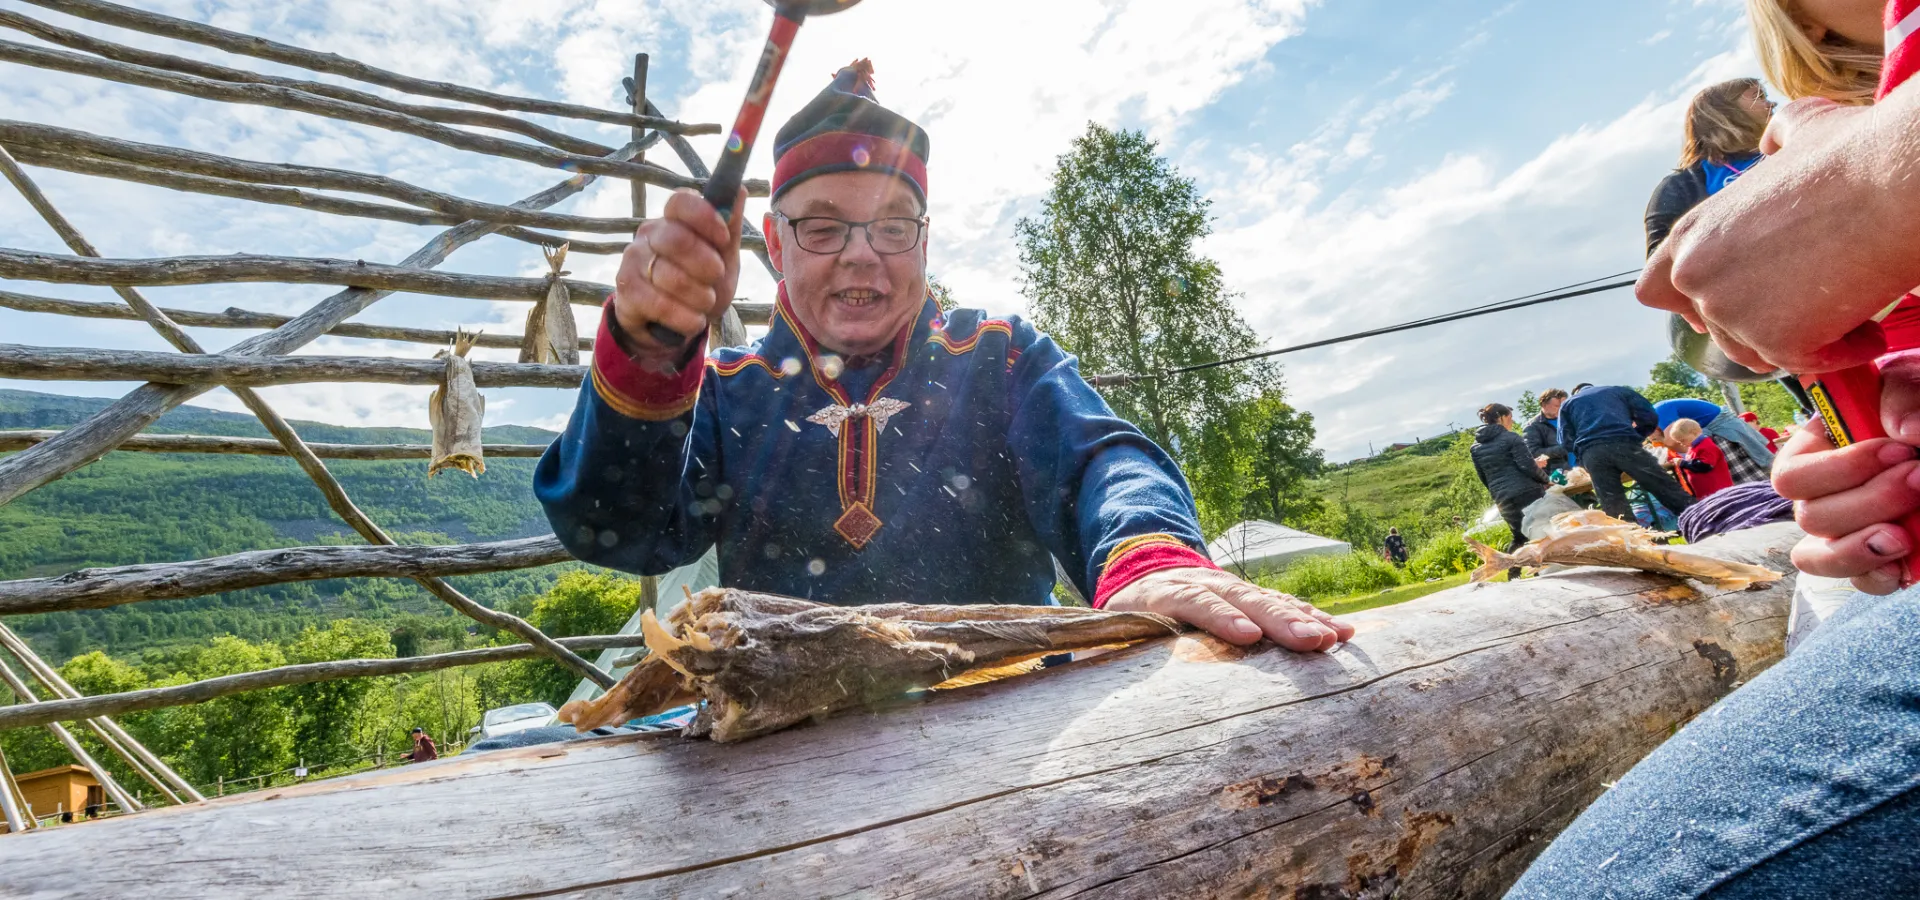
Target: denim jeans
{"x": 1801, "y": 784}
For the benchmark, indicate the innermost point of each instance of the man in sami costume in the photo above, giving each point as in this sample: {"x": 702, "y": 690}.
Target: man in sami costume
{"x": 870, "y": 449}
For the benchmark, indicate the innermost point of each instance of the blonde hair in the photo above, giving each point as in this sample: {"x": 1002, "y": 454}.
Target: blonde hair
{"x": 1683, "y": 431}
{"x": 1718, "y": 127}
{"x": 1836, "y": 68}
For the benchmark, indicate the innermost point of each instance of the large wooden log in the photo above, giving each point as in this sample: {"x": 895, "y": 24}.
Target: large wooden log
{"x": 300, "y": 101}
{"x": 95, "y": 588}
{"x": 1432, "y": 756}
{"x": 334, "y": 64}
{"x": 88, "y": 364}
{"x": 21, "y": 439}
{"x": 448, "y": 115}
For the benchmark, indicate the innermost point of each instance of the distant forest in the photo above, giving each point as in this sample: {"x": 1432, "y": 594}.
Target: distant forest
{"x": 152, "y": 507}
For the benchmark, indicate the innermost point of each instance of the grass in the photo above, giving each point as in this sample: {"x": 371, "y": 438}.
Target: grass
{"x": 1374, "y": 599}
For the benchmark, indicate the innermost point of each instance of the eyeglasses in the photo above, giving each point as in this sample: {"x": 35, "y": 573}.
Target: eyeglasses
{"x": 826, "y": 234}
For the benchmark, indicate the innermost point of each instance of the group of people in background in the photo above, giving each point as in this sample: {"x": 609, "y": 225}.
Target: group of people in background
{"x": 1676, "y": 452}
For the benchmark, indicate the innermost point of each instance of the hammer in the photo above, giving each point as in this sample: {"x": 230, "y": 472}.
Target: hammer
{"x": 724, "y": 185}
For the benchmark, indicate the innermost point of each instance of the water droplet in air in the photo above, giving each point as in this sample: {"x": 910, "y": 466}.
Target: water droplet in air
{"x": 817, "y": 567}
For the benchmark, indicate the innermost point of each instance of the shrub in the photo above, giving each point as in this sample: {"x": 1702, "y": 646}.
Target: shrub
{"x": 1447, "y": 553}
{"x": 1326, "y": 577}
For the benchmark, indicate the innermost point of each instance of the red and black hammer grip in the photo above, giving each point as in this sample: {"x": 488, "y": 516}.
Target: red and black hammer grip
{"x": 1849, "y": 405}
{"x": 723, "y": 186}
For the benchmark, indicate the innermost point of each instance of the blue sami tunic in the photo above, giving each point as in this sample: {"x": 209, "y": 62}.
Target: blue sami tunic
{"x": 979, "y": 452}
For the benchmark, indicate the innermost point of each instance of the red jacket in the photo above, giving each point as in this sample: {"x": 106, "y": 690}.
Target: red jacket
{"x": 1704, "y": 453}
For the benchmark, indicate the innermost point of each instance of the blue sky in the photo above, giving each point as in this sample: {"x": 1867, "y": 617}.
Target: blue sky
{"x": 1369, "y": 162}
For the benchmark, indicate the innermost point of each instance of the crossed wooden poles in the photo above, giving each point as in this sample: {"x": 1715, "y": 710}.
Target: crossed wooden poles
{"x": 172, "y": 379}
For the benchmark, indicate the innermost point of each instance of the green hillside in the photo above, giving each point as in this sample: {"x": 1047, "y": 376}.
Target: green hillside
{"x": 151, "y": 507}
{"x": 1394, "y": 486}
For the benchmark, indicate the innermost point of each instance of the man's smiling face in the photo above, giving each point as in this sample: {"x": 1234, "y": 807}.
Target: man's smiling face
{"x": 854, "y": 301}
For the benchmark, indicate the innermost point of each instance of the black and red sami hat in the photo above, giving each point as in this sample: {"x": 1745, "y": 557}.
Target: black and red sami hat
{"x": 845, "y": 129}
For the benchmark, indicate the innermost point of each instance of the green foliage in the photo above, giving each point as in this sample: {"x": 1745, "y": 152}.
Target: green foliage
{"x": 1322, "y": 577}
{"x": 1770, "y": 403}
{"x": 1112, "y": 274}
{"x": 580, "y": 603}
{"x": 1672, "y": 379}
{"x": 147, "y": 507}
{"x": 240, "y": 733}
{"x": 324, "y": 711}
{"x": 941, "y": 294}
{"x": 1446, "y": 552}
{"x": 1526, "y": 407}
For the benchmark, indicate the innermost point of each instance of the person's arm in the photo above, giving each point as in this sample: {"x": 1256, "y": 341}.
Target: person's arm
{"x": 619, "y": 485}
{"x": 1677, "y": 193}
{"x": 1641, "y": 414}
{"x": 1523, "y": 460}
{"x": 1787, "y": 266}
{"x": 1115, "y": 510}
{"x": 1568, "y": 434}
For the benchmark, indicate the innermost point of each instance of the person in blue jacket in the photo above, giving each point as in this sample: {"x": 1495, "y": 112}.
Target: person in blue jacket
{"x": 1604, "y": 429}
{"x": 869, "y": 448}
{"x": 1717, "y": 421}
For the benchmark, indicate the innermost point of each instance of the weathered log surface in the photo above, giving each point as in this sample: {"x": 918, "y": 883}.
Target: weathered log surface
{"x": 1432, "y": 756}
{"x": 92, "y": 588}
{"x": 331, "y": 63}
{"x": 87, "y": 364}
{"x": 212, "y": 443}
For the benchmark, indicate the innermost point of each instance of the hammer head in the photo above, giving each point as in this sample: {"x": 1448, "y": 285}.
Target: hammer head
{"x": 1698, "y": 350}
{"x": 812, "y": 7}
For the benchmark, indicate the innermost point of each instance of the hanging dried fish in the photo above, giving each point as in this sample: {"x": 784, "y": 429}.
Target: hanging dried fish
{"x": 763, "y": 662}
{"x": 1592, "y": 538}
{"x": 456, "y": 409}
{"x": 551, "y": 335}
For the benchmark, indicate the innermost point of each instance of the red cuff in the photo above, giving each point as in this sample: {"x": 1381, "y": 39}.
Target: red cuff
{"x": 636, "y": 391}
{"x": 1141, "y": 555}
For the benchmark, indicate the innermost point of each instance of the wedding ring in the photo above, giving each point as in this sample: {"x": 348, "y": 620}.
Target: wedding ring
{"x": 648, "y": 274}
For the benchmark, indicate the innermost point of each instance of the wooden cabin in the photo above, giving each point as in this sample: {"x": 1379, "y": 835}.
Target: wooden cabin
{"x": 68, "y": 792}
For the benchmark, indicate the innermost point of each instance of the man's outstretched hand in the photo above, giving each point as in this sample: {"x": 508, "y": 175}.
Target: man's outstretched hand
{"x": 1231, "y": 609}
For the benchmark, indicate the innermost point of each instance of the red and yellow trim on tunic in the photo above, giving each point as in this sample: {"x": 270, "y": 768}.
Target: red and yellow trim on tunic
{"x": 859, "y": 439}
{"x": 1138, "y": 556}
{"x": 947, "y": 343}
{"x": 634, "y": 391}
{"x": 743, "y": 363}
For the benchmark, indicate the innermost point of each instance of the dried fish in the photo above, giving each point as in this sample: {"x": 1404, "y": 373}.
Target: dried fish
{"x": 763, "y": 662}
{"x": 456, "y": 410}
{"x": 552, "y": 336}
{"x": 1592, "y": 538}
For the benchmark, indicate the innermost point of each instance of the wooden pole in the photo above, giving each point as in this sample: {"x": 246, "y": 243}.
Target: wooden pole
{"x": 241, "y": 318}
{"x": 639, "y": 133}
{"x": 98, "y": 588}
{"x": 246, "y": 268}
{"x": 67, "y": 740}
{"x": 446, "y": 115}
{"x": 142, "y": 759}
{"x": 282, "y": 430}
{"x": 101, "y": 432}
{"x": 53, "y": 147}
{"x": 12, "y": 808}
{"x": 88, "y": 364}
{"x": 300, "y": 101}
{"x": 334, "y": 64}
{"x": 99, "y": 705}
{"x": 194, "y": 443}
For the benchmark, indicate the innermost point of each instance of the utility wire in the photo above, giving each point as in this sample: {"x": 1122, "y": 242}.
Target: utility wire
{"x": 1567, "y": 292}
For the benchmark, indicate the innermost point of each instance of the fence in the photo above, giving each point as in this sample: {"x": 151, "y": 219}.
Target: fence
{"x": 43, "y": 456}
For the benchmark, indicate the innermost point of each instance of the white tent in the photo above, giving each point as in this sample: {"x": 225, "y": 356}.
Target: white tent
{"x": 1257, "y": 546}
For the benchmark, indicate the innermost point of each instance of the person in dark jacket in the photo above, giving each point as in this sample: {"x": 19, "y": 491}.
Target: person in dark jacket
{"x": 1543, "y": 432}
{"x": 1724, "y": 125}
{"x": 1396, "y": 547}
{"x": 1603, "y": 429}
{"x": 1510, "y": 473}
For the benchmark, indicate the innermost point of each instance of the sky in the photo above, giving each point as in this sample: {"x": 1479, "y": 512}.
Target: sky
{"x": 1368, "y": 162}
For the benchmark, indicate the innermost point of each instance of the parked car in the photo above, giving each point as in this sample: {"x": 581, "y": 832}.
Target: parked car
{"x": 509, "y": 719}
